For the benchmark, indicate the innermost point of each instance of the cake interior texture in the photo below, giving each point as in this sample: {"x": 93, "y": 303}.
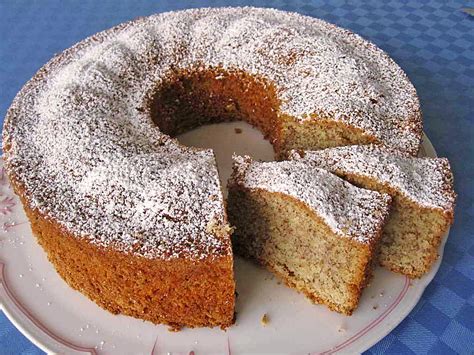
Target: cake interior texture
{"x": 412, "y": 234}
{"x": 285, "y": 236}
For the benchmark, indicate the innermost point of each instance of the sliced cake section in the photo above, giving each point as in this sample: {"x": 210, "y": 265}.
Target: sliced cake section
{"x": 423, "y": 194}
{"x": 314, "y": 230}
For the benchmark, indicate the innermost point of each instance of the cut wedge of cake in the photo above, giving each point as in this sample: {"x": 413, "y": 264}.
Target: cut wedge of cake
{"x": 422, "y": 192}
{"x": 314, "y": 230}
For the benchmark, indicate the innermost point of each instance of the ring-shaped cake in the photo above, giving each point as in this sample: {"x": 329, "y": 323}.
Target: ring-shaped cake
{"x": 132, "y": 218}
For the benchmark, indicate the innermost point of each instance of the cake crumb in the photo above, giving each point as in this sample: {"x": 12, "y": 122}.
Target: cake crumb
{"x": 218, "y": 229}
{"x": 238, "y": 130}
{"x": 265, "y": 320}
{"x": 230, "y": 107}
{"x": 375, "y": 307}
{"x": 341, "y": 329}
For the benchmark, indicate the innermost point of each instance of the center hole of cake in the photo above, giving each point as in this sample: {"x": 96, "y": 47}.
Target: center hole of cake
{"x": 226, "y": 139}
{"x": 212, "y": 108}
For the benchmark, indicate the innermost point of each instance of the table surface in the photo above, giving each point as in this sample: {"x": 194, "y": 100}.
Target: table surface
{"x": 433, "y": 41}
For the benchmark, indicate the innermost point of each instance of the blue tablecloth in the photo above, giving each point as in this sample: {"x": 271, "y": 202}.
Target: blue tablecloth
{"x": 433, "y": 41}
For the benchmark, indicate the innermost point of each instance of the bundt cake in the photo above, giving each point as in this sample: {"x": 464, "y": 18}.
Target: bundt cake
{"x": 135, "y": 220}
{"x": 422, "y": 192}
{"x": 314, "y": 230}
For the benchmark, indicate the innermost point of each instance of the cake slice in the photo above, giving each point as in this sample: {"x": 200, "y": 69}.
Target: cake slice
{"x": 314, "y": 230}
{"x": 422, "y": 191}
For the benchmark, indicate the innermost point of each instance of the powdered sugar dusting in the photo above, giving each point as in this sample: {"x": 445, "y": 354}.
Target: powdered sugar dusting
{"x": 427, "y": 182}
{"x": 347, "y": 210}
{"x": 79, "y": 140}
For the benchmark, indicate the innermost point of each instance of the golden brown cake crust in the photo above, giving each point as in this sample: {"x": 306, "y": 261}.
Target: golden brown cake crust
{"x": 177, "y": 292}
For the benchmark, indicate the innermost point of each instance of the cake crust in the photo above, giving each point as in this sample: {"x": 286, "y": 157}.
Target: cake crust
{"x": 176, "y": 292}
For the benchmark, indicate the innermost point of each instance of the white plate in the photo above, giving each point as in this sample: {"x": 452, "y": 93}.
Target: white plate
{"x": 61, "y": 320}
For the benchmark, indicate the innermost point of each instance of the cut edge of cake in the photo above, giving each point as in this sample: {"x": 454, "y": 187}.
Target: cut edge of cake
{"x": 322, "y": 243}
